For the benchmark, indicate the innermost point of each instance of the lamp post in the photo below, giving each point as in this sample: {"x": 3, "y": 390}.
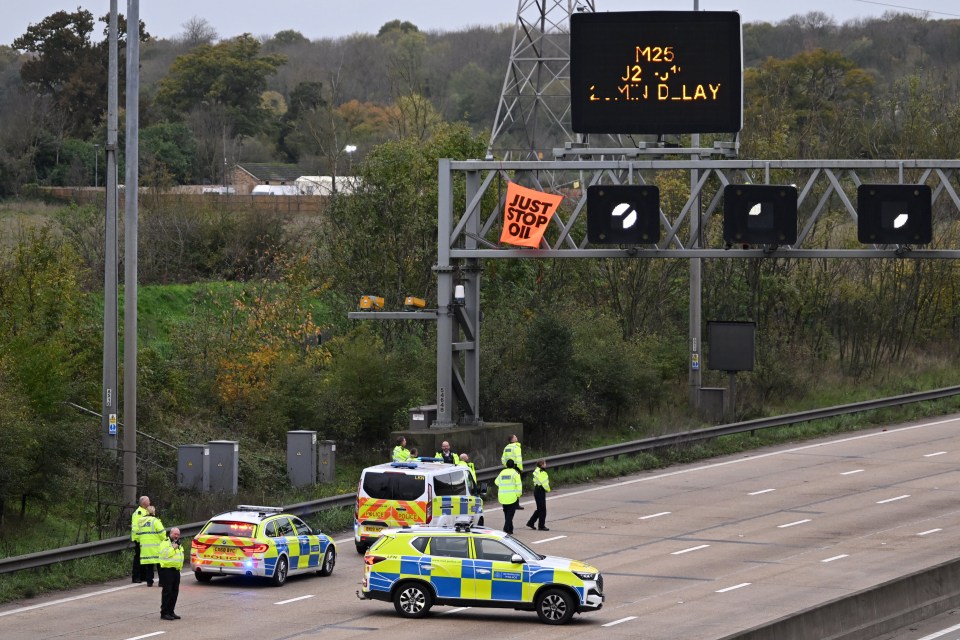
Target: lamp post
{"x": 96, "y": 166}
{"x": 350, "y": 149}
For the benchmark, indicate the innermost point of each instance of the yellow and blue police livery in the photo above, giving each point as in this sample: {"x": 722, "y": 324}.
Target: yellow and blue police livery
{"x": 260, "y": 541}
{"x": 417, "y": 567}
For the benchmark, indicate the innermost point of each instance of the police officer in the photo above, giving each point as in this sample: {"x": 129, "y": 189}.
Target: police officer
{"x": 510, "y": 490}
{"x": 171, "y": 564}
{"x": 512, "y": 452}
{"x": 541, "y": 486}
{"x": 400, "y": 452}
{"x": 464, "y": 461}
{"x": 138, "y": 513}
{"x": 152, "y": 534}
{"x": 446, "y": 454}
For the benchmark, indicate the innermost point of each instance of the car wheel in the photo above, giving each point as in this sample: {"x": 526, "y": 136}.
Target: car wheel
{"x": 329, "y": 560}
{"x": 555, "y": 606}
{"x": 412, "y": 600}
{"x": 361, "y": 547}
{"x": 480, "y": 522}
{"x": 202, "y": 577}
{"x": 280, "y": 572}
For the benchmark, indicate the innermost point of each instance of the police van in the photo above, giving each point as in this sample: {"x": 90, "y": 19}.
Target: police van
{"x": 401, "y": 494}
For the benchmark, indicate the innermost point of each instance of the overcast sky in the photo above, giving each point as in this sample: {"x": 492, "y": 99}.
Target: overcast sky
{"x": 334, "y": 18}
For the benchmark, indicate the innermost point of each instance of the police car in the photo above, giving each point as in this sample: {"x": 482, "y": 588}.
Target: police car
{"x": 260, "y": 541}
{"x": 420, "y": 566}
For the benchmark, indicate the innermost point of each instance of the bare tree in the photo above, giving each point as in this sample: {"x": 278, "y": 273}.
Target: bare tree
{"x": 197, "y": 31}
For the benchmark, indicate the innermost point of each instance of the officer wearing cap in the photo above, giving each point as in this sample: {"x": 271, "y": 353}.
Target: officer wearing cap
{"x": 510, "y": 489}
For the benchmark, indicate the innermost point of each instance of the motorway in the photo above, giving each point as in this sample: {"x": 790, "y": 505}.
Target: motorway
{"x": 691, "y": 552}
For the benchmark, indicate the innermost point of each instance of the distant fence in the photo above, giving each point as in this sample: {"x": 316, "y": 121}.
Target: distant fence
{"x": 300, "y": 205}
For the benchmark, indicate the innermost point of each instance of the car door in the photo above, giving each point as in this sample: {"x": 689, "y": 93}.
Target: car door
{"x": 450, "y": 566}
{"x": 309, "y": 543}
{"x": 497, "y": 577}
{"x": 287, "y": 542}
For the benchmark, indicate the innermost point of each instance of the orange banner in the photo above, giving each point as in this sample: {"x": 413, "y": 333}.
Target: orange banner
{"x": 526, "y": 215}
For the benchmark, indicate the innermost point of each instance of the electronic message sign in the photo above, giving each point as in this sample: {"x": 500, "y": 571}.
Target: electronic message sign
{"x": 656, "y": 72}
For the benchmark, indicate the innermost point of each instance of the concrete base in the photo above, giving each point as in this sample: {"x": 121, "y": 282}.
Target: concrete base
{"x": 483, "y": 443}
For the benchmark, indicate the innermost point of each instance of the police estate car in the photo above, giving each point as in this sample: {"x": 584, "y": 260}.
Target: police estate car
{"x": 260, "y": 541}
{"x": 417, "y": 567}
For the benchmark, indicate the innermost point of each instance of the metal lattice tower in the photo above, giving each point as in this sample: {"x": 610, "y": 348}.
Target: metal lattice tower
{"x": 533, "y": 116}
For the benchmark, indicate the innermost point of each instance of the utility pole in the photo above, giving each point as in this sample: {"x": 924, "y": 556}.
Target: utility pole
{"x": 131, "y": 233}
{"x": 109, "y": 401}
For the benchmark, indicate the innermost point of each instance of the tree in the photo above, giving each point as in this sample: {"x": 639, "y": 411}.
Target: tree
{"x": 820, "y": 97}
{"x": 169, "y": 150}
{"x": 198, "y": 31}
{"x": 385, "y": 235}
{"x": 68, "y": 66}
{"x": 232, "y": 74}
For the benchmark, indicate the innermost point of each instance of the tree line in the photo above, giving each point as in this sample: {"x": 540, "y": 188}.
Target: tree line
{"x": 259, "y": 343}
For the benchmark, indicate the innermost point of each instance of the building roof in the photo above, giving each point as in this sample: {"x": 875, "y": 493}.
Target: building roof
{"x": 272, "y": 171}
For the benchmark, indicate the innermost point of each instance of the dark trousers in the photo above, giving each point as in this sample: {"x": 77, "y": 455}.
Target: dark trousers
{"x": 146, "y": 573}
{"x": 135, "y": 574}
{"x": 508, "y": 511}
{"x": 170, "y": 583}
{"x": 540, "y": 497}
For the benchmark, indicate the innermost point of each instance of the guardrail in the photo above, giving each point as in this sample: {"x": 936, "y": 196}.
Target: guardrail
{"x": 113, "y": 545}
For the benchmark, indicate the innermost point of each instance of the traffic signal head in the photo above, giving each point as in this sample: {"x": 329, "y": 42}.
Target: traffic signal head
{"x": 894, "y": 214}
{"x": 623, "y": 214}
{"x": 760, "y": 214}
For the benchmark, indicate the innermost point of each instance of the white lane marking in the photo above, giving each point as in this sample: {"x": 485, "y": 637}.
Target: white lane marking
{"x": 893, "y": 499}
{"x": 548, "y": 539}
{"x": 293, "y": 600}
{"x": 930, "y": 455}
{"x": 655, "y": 515}
{"x": 923, "y": 533}
{"x": 792, "y": 524}
{"x": 149, "y": 635}
{"x": 443, "y": 613}
{"x": 839, "y": 557}
{"x": 70, "y": 599}
{"x": 615, "y": 485}
{"x": 736, "y": 586}
{"x": 941, "y": 633}
{"x": 756, "y": 493}
{"x": 697, "y": 548}
{"x": 615, "y": 622}
{"x": 760, "y": 456}
{"x": 850, "y": 473}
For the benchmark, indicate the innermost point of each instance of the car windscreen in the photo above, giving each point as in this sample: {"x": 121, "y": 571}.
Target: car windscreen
{"x": 230, "y": 528}
{"x": 451, "y": 484}
{"x": 393, "y": 486}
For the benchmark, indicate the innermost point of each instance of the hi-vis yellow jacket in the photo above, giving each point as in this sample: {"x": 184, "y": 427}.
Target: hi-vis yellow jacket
{"x": 171, "y": 557}
{"x": 139, "y": 513}
{"x": 541, "y": 479}
{"x": 512, "y": 452}
{"x": 511, "y": 487}
{"x": 152, "y": 534}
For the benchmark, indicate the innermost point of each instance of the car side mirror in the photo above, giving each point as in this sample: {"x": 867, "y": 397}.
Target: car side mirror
{"x": 483, "y": 488}
{"x": 516, "y": 558}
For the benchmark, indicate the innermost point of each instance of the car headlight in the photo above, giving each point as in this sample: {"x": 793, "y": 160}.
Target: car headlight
{"x": 585, "y": 575}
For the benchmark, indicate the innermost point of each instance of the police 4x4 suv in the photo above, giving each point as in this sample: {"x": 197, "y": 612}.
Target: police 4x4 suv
{"x": 260, "y": 541}
{"x": 417, "y": 567}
